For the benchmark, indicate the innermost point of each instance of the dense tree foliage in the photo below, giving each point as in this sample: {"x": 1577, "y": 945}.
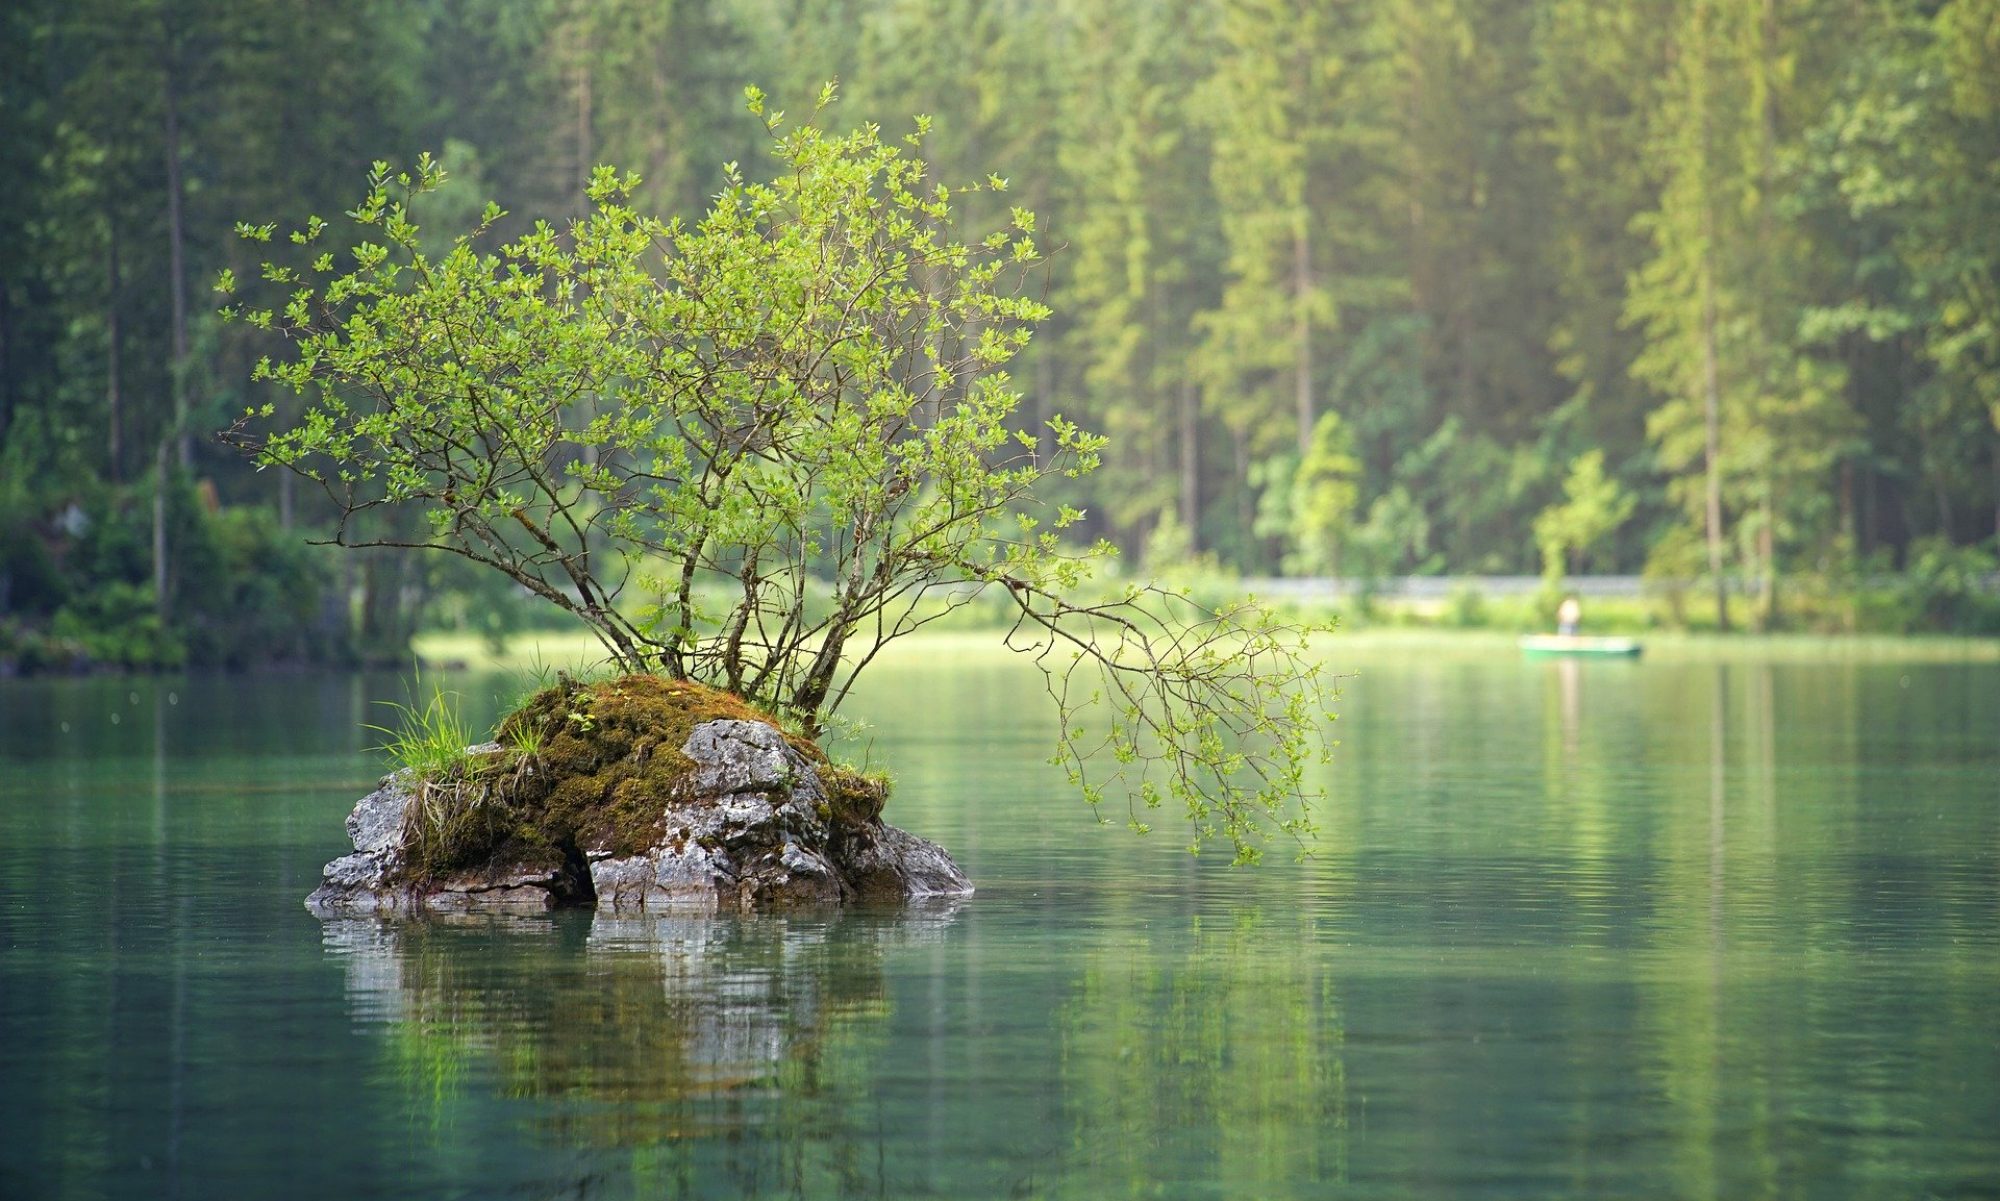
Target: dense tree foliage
{"x": 1746, "y": 251}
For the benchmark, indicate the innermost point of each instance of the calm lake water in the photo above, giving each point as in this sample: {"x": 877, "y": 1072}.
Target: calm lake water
{"x": 1724, "y": 928}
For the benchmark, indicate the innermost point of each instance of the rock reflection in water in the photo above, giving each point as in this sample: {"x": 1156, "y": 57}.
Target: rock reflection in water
{"x": 630, "y": 1030}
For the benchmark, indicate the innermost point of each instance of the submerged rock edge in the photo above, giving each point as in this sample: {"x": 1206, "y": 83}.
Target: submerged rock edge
{"x": 752, "y": 831}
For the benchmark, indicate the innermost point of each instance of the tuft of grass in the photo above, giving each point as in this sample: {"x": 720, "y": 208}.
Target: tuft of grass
{"x": 523, "y": 738}
{"x": 430, "y": 742}
{"x": 455, "y": 800}
{"x": 538, "y": 676}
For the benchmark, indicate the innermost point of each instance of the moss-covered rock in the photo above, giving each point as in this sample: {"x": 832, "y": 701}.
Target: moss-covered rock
{"x": 637, "y": 792}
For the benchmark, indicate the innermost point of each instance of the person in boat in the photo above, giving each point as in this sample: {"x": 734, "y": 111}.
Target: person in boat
{"x": 1569, "y": 615}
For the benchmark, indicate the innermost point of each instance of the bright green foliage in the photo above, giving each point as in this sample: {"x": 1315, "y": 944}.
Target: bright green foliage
{"x": 1899, "y": 173}
{"x": 430, "y": 741}
{"x": 641, "y": 408}
{"x": 1593, "y": 507}
{"x": 753, "y": 449}
{"x": 1218, "y": 712}
{"x": 1396, "y": 538}
{"x": 1325, "y": 490}
{"x": 1945, "y": 589}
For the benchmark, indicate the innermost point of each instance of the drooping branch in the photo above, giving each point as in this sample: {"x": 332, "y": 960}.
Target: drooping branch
{"x": 1219, "y": 710}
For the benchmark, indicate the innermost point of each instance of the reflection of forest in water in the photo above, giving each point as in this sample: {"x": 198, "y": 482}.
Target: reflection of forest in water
{"x": 741, "y": 1056}
{"x": 640, "y": 1033}
{"x": 1231, "y": 1040}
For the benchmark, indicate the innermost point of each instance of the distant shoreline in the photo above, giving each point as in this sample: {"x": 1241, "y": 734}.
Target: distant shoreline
{"x": 554, "y": 649}
{"x": 551, "y": 649}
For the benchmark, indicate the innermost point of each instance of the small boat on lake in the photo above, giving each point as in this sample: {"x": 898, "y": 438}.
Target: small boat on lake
{"x": 1537, "y": 646}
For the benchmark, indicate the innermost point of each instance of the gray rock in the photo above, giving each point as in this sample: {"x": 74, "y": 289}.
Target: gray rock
{"x": 366, "y": 881}
{"x": 751, "y": 830}
{"x": 896, "y": 863}
{"x": 743, "y": 756}
{"x": 376, "y": 825}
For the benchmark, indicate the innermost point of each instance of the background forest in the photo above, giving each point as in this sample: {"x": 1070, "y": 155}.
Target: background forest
{"x": 1704, "y": 290}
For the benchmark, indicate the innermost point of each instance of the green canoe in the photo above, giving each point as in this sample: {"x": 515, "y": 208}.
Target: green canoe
{"x": 1541, "y": 645}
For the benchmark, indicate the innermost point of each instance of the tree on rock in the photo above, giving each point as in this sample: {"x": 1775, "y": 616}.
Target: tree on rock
{"x": 753, "y": 449}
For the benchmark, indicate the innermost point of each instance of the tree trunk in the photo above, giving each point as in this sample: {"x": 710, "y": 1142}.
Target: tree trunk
{"x": 1871, "y": 513}
{"x": 1302, "y": 330}
{"x": 349, "y": 631}
{"x": 1767, "y": 554}
{"x": 1768, "y": 157}
{"x": 176, "y": 249}
{"x": 1767, "y": 539}
{"x": 1711, "y": 381}
{"x": 813, "y": 690}
{"x": 113, "y": 356}
{"x": 160, "y": 457}
{"x": 583, "y": 122}
{"x": 1190, "y": 464}
{"x": 381, "y": 605}
{"x": 1711, "y": 387}
{"x": 6, "y": 358}
{"x": 1849, "y": 525}
{"x": 1045, "y": 387}
{"x": 1246, "y": 517}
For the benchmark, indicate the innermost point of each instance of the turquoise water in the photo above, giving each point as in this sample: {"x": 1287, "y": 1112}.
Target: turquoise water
{"x": 1727, "y": 928}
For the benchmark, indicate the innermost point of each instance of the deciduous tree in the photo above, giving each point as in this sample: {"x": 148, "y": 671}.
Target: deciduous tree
{"x": 785, "y": 463}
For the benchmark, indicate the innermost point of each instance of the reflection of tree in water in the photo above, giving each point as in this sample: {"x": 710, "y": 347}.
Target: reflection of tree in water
{"x": 647, "y": 1036}
{"x": 1221, "y": 1056}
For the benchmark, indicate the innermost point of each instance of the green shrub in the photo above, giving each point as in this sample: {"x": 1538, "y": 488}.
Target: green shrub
{"x": 1945, "y": 587}
{"x": 31, "y": 581}
{"x": 118, "y": 624}
{"x": 250, "y": 592}
{"x": 242, "y": 590}
{"x": 1466, "y": 610}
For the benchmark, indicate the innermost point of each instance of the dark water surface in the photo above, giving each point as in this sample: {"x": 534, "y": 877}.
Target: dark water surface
{"x": 1682, "y": 930}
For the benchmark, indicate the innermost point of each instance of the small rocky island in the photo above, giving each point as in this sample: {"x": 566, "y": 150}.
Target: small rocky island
{"x": 634, "y": 793}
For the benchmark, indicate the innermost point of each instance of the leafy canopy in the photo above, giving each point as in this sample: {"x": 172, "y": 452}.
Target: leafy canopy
{"x": 755, "y": 448}
{"x": 1593, "y": 507}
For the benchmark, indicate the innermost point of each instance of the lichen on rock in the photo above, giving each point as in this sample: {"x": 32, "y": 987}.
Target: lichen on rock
{"x": 635, "y": 793}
